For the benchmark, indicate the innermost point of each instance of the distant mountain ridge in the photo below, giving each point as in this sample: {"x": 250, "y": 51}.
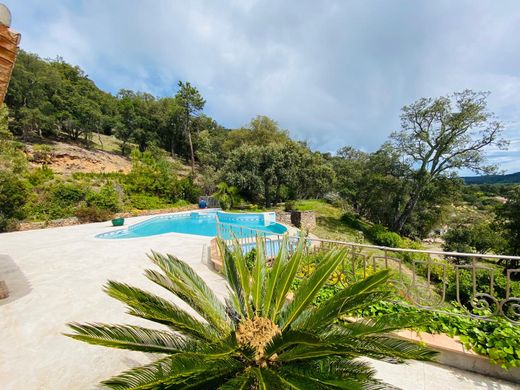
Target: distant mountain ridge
{"x": 511, "y": 178}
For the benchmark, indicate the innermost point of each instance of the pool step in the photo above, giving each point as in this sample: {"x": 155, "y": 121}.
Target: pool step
{"x": 4, "y": 291}
{"x": 216, "y": 259}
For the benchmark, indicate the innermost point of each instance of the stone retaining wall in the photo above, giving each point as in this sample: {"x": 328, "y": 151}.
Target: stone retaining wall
{"x": 305, "y": 220}
{"x": 284, "y": 217}
{"x": 74, "y": 221}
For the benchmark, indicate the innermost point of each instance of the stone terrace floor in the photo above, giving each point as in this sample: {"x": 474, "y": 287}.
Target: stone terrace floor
{"x": 56, "y": 276}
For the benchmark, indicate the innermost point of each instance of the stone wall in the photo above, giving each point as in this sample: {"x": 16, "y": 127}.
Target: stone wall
{"x": 74, "y": 221}
{"x": 284, "y": 217}
{"x": 305, "y": 220}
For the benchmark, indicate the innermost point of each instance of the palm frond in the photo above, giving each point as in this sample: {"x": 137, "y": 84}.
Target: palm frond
{"x": 312, "y": 352}
{"x": 267, "y": 379}
{"x": 273, "y": 275}
{"x": 233, "y": 274}
{"x": 332, "y": 373}
{"x": 240, "y": 382}
{"x": 355, "y": 296}
{"x": 383, "y": 347}
{"x": 305, "y": 294}
{"x": 377, "y": 346}
{"x": 343, "y": 368}
{"x": 385, "y": 324}
{"x": 290, "y": 338}
{"x": 306, "y": 379}
{"x": 189, "y": 284}
{"x": 146, "y": 305}
{"x": 197, "y": 302}
{"x": 176, "y": 371}
{"x": 343, "y": 302}
{"x": 286, "y": 278}
{"x": 333, "y": 367}
{"x": 135, "y": 338}
{"x": 258, "y": 276}
{"x": 244, "y": 276}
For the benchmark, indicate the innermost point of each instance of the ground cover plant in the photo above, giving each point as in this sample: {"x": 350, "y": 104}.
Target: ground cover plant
{"x": 258, "y": 338}
{"x": 495, "y": 337}
{"x": 499, "y": 340}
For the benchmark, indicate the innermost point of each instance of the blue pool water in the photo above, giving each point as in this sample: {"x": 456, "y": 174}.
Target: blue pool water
{"x": 203, "y": 223}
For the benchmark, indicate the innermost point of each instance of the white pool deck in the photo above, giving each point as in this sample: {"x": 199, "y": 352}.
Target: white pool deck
{"x": 56, "y": 276}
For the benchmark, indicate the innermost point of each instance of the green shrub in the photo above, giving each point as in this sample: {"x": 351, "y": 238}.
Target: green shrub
{"x": 189, "y": 191}
{"x": 54, "y": 201}
{"x": 147, "y": 202}
{"x": 106, "y": 199}
{"x": 227, "y": 196}
{"x": 66, "y": 195}
{"x": 13, "y": 196}
{"x": 180, "y": 203}
{"x": 39, "y": 176}
{"x": 382, "y": 236}
{"x": 154, "y": 175}
{"x": 290, "y": 205}
{"x": 250, "y": 259}
{"x": 92, "y": 214}
{"x": 477, "y": 238}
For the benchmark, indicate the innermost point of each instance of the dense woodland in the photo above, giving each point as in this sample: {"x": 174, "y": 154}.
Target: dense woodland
{"x": 407, "y": 187}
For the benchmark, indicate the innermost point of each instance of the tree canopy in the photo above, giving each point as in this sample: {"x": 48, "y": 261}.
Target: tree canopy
{"x": 406, "y": 185}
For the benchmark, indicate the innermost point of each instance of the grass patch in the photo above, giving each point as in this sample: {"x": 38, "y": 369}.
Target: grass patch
{"x": 332, "y": 223}
{"x": 107, "y": 143}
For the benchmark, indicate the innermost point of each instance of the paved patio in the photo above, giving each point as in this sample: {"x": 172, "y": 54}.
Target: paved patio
{"x": 56, "y": 276}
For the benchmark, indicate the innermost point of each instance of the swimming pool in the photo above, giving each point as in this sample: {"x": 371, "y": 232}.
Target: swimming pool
{"x": 201, "y": 223}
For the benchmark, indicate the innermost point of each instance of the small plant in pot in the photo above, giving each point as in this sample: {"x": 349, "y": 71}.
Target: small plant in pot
{"x": 118, "y": 222}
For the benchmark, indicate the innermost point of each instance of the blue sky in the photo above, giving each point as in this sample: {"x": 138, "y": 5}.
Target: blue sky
{"x": 334, "y": 73}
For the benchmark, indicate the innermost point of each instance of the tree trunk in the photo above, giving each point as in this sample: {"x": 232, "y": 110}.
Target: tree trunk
{"x": 100, "y": 141}
{"x": 277, "y": 198}
{"x": 408, "y": 210}
{"x": 172, "y": 147}
{"x": 266, "y": 193}
{"x": 192, "y": 154}
{"x": 123, "y": 147}
{"x": 188, "y": 131}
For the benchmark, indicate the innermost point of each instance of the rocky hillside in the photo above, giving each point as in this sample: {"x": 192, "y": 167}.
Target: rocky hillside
{"x": 66, "y": 158}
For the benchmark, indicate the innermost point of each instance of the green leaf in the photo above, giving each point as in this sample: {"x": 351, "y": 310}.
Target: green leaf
{"x": 234, "y": 276}
{"x": 259, "y": 276}
{"x": 130, "y": 337}
{"x": 273, "y": 276}
{"x": 146, "y": 305}
{"x": 286, "y": 278}
{"x": 290, "y": 338}
{"x": 240, "y": 382}
{"x": 266, "y": 379}
{"x": 343, "y": 302}
{"x": 185, "y": 282}
{"x": 244, "y": 275}
{"x": 176, "y": 371}
{"x": 311, "y": 286}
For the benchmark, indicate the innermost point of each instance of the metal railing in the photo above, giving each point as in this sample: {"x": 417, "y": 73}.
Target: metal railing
{"x": 433, "y": 280}
{"x": 211, "y": 202}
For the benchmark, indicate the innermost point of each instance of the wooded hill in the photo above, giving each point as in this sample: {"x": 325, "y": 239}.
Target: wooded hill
{"x": 512, "y": 178}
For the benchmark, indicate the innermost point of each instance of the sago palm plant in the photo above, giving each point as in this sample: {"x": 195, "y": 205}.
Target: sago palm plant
{"x": 257, "y": 338}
